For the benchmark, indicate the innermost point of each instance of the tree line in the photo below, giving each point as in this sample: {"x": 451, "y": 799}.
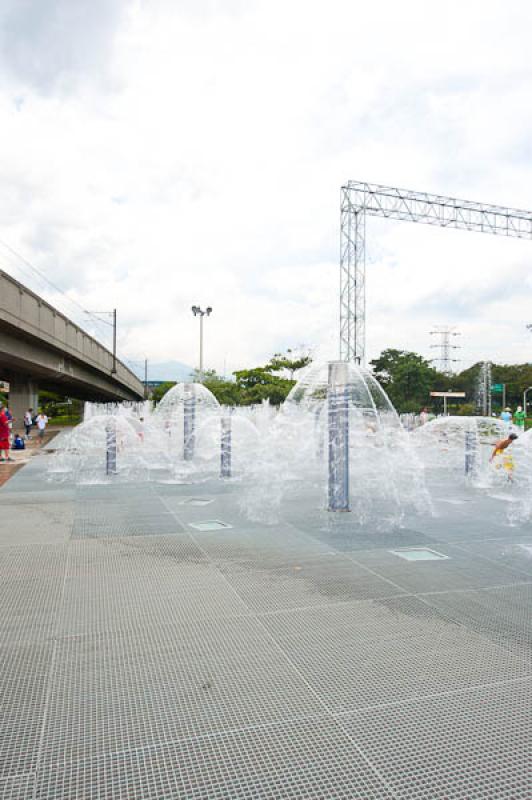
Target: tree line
{"x": 271, "y": 382}
{"x": 407, "y": 378}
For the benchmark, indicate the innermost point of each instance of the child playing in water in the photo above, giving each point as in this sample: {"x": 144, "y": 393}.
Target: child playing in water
{"x": 507, "y": 460}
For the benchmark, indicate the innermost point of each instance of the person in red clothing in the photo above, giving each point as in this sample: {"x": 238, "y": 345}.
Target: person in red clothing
{"x": 4, "y": 436}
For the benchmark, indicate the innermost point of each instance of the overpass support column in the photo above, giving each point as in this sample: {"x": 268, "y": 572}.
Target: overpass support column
{"x": 23, "y": 394}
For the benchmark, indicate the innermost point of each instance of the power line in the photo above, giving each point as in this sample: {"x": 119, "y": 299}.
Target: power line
{"x": 56, "y": 288}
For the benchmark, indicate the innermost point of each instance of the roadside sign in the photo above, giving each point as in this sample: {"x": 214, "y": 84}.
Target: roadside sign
{"x": 497, "y": 388}
{"x": 447, "y": 394}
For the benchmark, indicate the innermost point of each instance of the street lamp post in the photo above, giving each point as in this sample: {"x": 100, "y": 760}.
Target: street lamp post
{"x": 198, "y": 312}
{"x": 114, "y": 341}
{"x": 524, "y": 398}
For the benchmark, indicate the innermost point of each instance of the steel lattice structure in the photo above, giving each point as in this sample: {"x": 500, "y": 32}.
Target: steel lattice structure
{"x": 445, "y": 332}
{"x": 360, "y": 199}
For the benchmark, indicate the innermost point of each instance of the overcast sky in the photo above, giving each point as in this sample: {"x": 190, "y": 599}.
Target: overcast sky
{"x": 159, "y": 154}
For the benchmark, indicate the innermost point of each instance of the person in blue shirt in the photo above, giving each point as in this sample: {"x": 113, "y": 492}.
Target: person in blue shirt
{"x": 18, "y": 443}
{"x": 506, "y": 417}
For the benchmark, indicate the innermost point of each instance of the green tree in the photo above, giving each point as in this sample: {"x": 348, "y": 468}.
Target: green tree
{"x": 407, "y": 378}
{"x": 208, "y": 376}
{"x": 516, "y": 377}
{"x": 289, "y": 361}
{"x": 258, "y": 384}
{"x": 159, "y": 391}
{"x": 226, "y": 392}
{"x": 250, "y": 386}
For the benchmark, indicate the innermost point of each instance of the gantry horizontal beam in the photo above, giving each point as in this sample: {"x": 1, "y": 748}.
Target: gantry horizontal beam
{"x": 434, "y": 209}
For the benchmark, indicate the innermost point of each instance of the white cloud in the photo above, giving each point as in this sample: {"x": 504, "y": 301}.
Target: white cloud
{"x": 159, "y": 155}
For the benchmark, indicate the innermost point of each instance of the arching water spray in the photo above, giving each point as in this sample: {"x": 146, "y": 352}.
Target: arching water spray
{"x": 110, "y": 451}
{"x": 225, "y": 447}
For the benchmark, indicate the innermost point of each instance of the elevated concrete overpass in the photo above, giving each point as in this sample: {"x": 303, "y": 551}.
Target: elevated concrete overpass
{"x": 41, "y": 348}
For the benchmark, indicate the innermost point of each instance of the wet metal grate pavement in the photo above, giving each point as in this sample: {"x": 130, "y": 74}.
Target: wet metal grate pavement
{"x": 144, "y": 655}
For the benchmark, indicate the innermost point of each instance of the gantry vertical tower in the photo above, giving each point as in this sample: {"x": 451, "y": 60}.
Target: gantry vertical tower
{"x": 445, "y": 334}
{"x": 360, "y": 199}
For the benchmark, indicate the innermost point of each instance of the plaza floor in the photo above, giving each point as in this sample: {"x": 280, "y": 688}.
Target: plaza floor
{"x": 146, "y": 654}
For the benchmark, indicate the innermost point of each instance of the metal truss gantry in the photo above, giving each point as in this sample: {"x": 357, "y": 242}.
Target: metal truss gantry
{"x": 360, "y": 199}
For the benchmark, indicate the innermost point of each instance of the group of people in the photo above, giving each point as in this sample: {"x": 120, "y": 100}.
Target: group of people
{"x": 518, "y": 417}
{"x": 10, "y": 441}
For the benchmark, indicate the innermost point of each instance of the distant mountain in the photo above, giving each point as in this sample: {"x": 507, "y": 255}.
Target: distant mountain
{"x": 168, "y": 371}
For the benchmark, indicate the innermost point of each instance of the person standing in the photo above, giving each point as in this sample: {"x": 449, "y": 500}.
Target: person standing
{"x": 4, "y": 436}
{"x": 10, "y": 421}
{"x": 42, "y": 422}
{"x": 519, "y": 418}
{"x": 506, "y": 416}
{"x": 28, "y": 421}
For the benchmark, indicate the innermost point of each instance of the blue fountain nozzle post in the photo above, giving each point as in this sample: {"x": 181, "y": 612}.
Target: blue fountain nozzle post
{"x": 470, "y": 452}
{"x": 225, "y": 447}
{"x": 189, "y": 424}
{"x": 110, "y": 446}
{"x": 338, "y": 425}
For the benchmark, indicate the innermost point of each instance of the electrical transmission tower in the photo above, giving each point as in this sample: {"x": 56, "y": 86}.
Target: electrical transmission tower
{"x": 445, "y": 332}
{"x": 360, "y": 199}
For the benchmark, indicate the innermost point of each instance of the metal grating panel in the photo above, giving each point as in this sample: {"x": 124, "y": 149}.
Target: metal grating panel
{"x": 129, "y": 524}
{"x": 342, "y": 535}
{"x": 470, "y": 745}
{"x": 303, "y": 582}
{"x": 236, "y": 545}
{"x": 185, "y": 592}
{"x": 139, "y": 558}
{"x": 30, "y": 591}
{"x": 370, "y": 653}
{"x": 208, "y": 664}
{"x": 17, "y": 787}
{"x": 114, "y": 692}
{"x": 517, "y": 556}
{"x": 34, "y": 524}
{"x": 311, "y": 760}
{"x": 501, "y": 614}
{"x": 24, "y": 674}
{"x": 460, "y": 571}
{"x": 10, "y": 496}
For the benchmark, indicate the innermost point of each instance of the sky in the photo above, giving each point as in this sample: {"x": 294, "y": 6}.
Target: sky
{"x": 157, "y": 155}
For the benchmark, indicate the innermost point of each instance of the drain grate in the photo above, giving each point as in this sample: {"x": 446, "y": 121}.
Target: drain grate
{"x": 418, "y": 554}
{"x": 210, "y": 525}
{"x": 196, "y": 501}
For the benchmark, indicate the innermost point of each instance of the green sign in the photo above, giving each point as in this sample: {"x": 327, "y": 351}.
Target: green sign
{"x": 497, "y": 388}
